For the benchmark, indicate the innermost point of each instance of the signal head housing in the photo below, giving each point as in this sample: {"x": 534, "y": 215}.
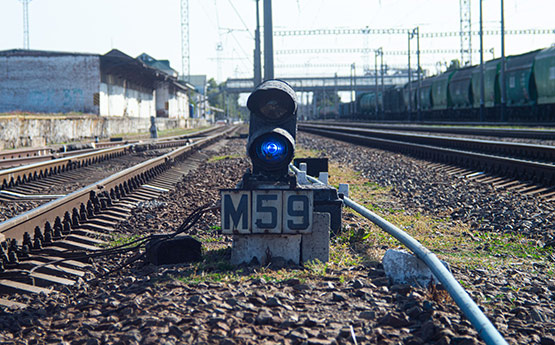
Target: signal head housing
{"x": 272, "y": 128}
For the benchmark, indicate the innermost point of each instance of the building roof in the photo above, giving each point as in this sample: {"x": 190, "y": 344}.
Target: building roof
{"x": 162, "y": 65}
{"x": 120, "y": 64}
{"x": 46, "y": 53}
{"x": 199, "y": 82}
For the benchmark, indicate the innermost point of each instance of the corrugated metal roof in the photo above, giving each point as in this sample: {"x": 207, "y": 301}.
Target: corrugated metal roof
{"x": 162, "y": 65}
{"x": 120, "y": 64}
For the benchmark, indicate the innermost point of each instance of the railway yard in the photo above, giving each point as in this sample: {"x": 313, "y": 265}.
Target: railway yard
{"x": 308, "y": 173}
{"x": 497, "y": 240}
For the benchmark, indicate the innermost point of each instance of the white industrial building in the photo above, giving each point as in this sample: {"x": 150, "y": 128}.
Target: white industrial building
{"x": 113, "y": 84}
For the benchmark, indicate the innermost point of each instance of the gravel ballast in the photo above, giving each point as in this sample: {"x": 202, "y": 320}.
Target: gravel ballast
{"x": 213, "y": 303}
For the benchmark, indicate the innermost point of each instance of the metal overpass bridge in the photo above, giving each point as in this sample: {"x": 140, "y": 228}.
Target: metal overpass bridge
{"x": 325, "y": 84}
{"x": 312, "y": 89}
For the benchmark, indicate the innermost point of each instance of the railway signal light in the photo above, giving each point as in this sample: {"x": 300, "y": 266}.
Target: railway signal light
{"x": 272, "y": 128}
{"x": 270, "y": 204}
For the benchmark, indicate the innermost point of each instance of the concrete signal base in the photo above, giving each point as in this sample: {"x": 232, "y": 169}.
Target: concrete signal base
{"x": 297, "y": 249}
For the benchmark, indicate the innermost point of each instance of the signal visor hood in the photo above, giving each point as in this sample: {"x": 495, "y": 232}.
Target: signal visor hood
{"x": 274, "y": 100}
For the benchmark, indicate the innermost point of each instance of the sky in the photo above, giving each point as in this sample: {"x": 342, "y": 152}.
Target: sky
{"x": 137, "y": 26}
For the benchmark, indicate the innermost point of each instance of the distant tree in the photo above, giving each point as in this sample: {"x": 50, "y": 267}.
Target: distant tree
{"x": 455, "y": 64}
{"x": 214, "y": 94}
{"x": 325, "y": 103}
{"x": 216, "y": 98}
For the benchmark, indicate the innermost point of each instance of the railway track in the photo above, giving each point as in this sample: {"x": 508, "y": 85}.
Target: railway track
{"x": 522, "y": 133}
{"x": 342, "y": 302}
{"x": 530, "y": 164}
{"x": 49, "y": 179}
{"x": 19, "y": 157}
{"x": 47, "y": 245}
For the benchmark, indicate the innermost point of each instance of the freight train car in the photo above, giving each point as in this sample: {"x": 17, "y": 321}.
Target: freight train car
{"x": 544, "y": 74}
{"x": 394, "y": 103}
{"x": 492, "y": 93}
{"x": 455, "y": 95}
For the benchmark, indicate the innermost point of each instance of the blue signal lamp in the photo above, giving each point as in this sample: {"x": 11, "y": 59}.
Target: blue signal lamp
{"x": 272, "y": 127}
{"x": 272, "y": 149}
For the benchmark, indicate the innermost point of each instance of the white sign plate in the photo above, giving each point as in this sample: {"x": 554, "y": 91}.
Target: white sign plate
{"x": 267, "y": 211}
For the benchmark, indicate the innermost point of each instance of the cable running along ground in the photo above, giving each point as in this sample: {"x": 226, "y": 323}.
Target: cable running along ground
{"x": 137, "y": 244}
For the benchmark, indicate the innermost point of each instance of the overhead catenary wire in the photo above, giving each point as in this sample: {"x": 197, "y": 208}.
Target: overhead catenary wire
{"x": 241, "y": 19}
{"x": 216, "y": 24}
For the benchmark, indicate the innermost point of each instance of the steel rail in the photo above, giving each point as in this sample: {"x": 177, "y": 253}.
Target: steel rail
{"x": 195, "y": 134}
{"x": 55, "y": 151}
{"x": 14, "y": 176}
{"x": 191, "y": 135}
{"x": 25, "y": 152}
{"x": 523, "y": 133}
{"x": 513, "y": 167}
{"x": 477, "y": 318}
{"x": 124, "y": 180}
{"x": 26, "y": 160}
{"x": 16, "y": 162}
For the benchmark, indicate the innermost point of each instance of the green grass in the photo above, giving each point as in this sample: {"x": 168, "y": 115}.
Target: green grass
{"x": 161, "y": 134}
{"x": 123, "y": 240}
{"x": 219, "y": 158}
{"x": 301, "y": 152}
{"x": 454, "y": 242}
{"x": 216, "y": 267}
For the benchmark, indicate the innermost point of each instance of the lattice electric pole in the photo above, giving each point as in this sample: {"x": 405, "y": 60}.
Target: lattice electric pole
{"x": 25, "y": 23}
{"x": 366, "y": 55}
{"x": 185, "y": 61}
{"x": 465, "y": 32}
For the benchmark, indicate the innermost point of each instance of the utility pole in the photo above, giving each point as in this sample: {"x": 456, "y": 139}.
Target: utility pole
{"x": 268, "y": 41}
{"x": 351, "y": 93}
{"x": 257, "y": 52}
{"x": 383, "y": 86}
{"x": 25, "y": 4}
{"x": 376, "y": 53}
{"x": 409, "y": 84}
{"x": 314, "y": 108}
{"x": 185, "y": 61}
{"x": 354, "y": 87}
{"x": 335, "y": 96}
{"x": 419, "y": 85}
{"x": 503, "y": 89}
{"x": 482, "y": 86}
